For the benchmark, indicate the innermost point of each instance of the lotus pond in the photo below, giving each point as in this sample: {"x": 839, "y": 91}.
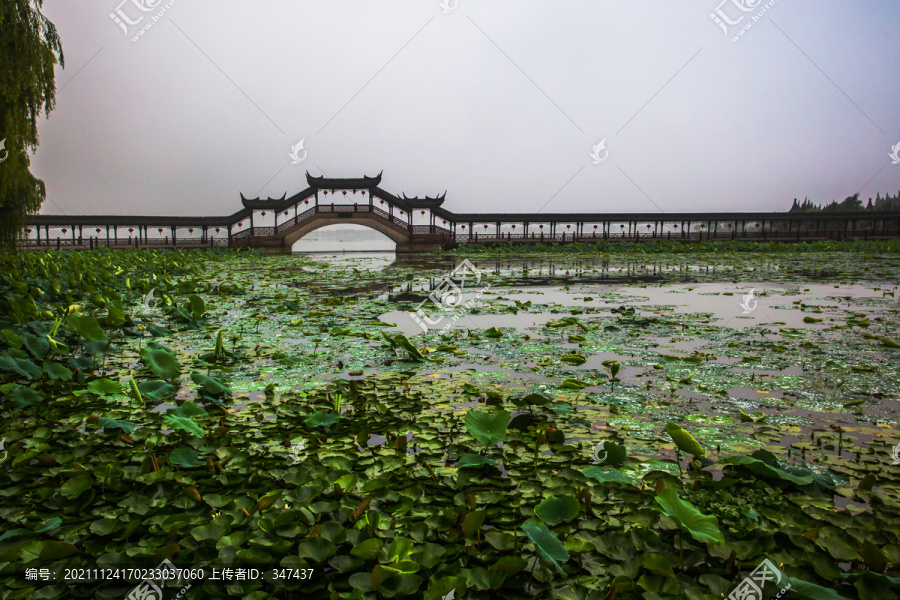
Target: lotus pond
{"x": 576, "y": 424}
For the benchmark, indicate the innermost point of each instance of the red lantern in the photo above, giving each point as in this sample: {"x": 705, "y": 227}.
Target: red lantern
{"x": 285, "y": 213}
{"x": 191, "y": 230}
{"x": 130, "y": 230}
{"x": 675, "y": 226}
{"x": 217, "y": 230}
{"x": 381, "y": 201}
{"x": 345, "y": 192}
{"x": 423, "y": 212}
{"x": 263, "y": 213}
{"x": 485, "y": 226}
{"x": 595, "y": 227}
{"x": 513, "y": 226}
{"x": 326, "y": 192}
{"x": 648, "y": 225}
{"x": 401, "y": 213}
{"x": 702, "y": 225}
{"x": 622, "y": 226}
{"x": 568, "y": 227}
{"x": 540, "y": 226}
{"x": 28, "y": 230}
{"x": 757, "y": 225}
{"x": 65, "y": 230}
{"x": 306, "y": 201}
{"x": 160, "y": 230}
{"x": 463, "y": 226}
{"x": 729, "y": 226}
{"x": 444, "y": 222}
{"x": 241, "y": 224}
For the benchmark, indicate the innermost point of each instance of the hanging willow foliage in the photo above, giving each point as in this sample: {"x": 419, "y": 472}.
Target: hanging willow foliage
{"x": 29, "y": 51}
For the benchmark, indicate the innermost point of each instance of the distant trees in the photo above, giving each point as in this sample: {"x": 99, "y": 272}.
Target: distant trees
{"x": 29, "y": 51}
{"x": 849, "y": 204}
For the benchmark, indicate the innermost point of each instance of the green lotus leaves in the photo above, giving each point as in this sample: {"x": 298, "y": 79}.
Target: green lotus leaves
{"x": 11, "y": 338}
{"x": 766, "y": 466}
{"x": 75, "y": 487}
{"x": 49, "y": 525}
{"x": 410, "y": 481}
{"x": 472, "y": 522}
{"x": 187, "y": 458}
{"x": 89, "y": 328}
{"x": 183, "y": 423}
{"x": 574, "y": 359}
{"x": 56, "y": 550}
{"x": 403, "y": 342}
{"x": 156, "y": 390}
{"x": 211, "y": 532}
{"x": 18, "y": 361}
{"x": 109, "y": 424}
{"x": 367, "y": 549}
{"x": 187, "y": 409}
{"x": 811, "y": 591}
{"x": 556, "y": 509}
{"x": 24, "y": 397}
{"x": 608, "y": 474}
{"x": 37, "y": 346}
{"x": 703, "y": 528}
{"x": 573, "y": 384}
{"x": 161, "y": 361}
{"x": 57, "y": 371}
{"x": 105, "y": 387}
{"x": 322, "y": 418}
{"x": 612, "y": 454}
{"x": 474, "y": 461}
{"x": 197, "y": 305}
{"x": 532, "y": 400}
{"x": 316, "y": 550}
{"x": 685, "y": 441}
{"x": 489, "y": 429}
{"x": 210, "y": 385}
{"x": 548, "y": 545}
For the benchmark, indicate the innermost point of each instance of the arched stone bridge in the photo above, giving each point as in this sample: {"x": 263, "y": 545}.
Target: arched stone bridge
{"x": 423, "y": 225}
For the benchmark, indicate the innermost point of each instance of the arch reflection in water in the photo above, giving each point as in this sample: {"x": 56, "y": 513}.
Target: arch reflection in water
{"x": 344, "y": 238}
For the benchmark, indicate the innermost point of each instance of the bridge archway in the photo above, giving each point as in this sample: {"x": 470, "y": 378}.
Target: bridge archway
{"x": 344, "y": 238}
{"x": 399, "y": 235}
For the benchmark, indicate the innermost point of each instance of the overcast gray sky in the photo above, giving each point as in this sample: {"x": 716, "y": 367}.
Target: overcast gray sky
{"x": 498, "y": 102}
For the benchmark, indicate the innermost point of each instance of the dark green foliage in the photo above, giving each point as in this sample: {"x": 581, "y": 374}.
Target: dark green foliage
{"x": 29, "y": 51}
